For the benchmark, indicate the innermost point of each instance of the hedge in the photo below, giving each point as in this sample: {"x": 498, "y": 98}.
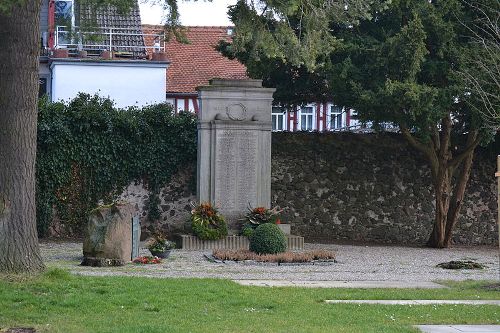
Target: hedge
{"x": 89, "y": 151}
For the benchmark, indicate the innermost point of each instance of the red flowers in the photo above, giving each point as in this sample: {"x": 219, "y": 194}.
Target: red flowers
{"x": 260, "y": 210}
{"x": 147, "y": 260}
{"x": 259, "y": 215}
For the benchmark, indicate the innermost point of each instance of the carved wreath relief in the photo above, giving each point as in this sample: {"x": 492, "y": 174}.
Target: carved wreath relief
{"x": 236, "y": 112}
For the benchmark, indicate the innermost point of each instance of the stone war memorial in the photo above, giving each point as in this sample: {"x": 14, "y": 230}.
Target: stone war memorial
{"x": 234, "y": 155}
{"x": 234, "y": 146}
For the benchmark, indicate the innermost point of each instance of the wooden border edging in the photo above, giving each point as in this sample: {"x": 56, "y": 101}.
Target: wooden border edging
{"x": 192, "y": 243}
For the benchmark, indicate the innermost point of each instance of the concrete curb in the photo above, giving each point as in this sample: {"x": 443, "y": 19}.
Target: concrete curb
{"x": 341, "y": 284}
{"x": 417, "y": 302}
{"x": 459, "y": 328}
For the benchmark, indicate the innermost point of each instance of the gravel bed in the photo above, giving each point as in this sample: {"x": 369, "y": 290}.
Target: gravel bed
{"x": 355, "y": 263}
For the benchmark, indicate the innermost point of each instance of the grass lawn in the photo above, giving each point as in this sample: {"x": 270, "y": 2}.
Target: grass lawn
{"x": 60, "y": 302}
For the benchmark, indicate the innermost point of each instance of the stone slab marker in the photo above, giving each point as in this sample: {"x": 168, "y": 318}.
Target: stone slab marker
{"x": 108, "y": 236}
{"x": 234, "y": 146}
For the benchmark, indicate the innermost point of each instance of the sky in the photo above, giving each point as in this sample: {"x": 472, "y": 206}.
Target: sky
{"x": 193, "y": 13}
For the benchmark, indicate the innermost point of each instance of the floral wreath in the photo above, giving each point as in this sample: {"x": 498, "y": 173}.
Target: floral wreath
{"x": 207, "y": 223}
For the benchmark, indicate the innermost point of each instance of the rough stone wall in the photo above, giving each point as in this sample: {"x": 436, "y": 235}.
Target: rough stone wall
{"x": 353, "y": 187}
{"x": 175, "y": 204}
{"x": 371, "y": 188}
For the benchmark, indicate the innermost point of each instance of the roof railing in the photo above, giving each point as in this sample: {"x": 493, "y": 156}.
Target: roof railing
{"x": 104, "y": 38}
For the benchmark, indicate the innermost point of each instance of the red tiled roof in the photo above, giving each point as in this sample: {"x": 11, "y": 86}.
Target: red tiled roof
{"x": 192, "y": 65}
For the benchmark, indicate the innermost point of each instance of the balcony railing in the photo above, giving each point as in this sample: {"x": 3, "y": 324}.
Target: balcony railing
{"x": 124, "y": 40}
{"x": 367, "y": 128}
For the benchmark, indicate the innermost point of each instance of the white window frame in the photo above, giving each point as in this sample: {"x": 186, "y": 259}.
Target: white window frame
{"x": 310, "y": 118}
{"x": 276, "y": 113}
{"x": 354, "y": 121}
{"x": 335, "y": 110}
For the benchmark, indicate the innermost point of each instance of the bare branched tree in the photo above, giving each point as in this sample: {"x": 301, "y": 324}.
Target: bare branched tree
{"x": 483, "y": 74}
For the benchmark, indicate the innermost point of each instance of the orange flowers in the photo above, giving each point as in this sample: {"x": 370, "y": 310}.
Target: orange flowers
{"x": 205, "y": 211}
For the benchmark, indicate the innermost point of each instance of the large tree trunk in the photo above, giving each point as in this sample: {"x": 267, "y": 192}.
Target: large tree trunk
{"x": 19, "y": 48}
{"x": 448, "y": 189}
{"x": 458, "y": 198}
{"x": 442, "y": 189}
{"x": 449, "y": 200}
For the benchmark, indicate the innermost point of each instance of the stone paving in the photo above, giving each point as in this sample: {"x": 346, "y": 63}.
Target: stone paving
{"x": 459, "y": 328}
{"x": 355, "y": 263}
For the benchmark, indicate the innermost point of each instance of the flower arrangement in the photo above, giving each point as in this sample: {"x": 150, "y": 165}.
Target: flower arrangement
{"x": 260, "y": 215}
{"x": 159, "y": 244}
{"x": 207, "y": 223}
{"x": 257, "y": 216}
{"x": 147, "y": 260}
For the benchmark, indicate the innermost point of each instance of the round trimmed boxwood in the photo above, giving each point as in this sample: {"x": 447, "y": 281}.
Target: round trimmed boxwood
{"x": 268, "y": 239}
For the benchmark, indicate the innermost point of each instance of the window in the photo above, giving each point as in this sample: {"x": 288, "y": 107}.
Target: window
{"x": 64, "y": 19}
{"x": 278, "y": 116}
{"x": 354, "y": 122}
{"x": 306, "y": 118}
{"x": 43, "y": 85}
{"x": 335, "y": 117}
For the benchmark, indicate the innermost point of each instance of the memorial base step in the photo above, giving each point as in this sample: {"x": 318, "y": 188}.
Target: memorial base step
{"x": 193, "y": 243}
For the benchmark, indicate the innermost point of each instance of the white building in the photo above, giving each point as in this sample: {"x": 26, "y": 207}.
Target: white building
{"x": 109, "y": 59}
{"x": 314, "y": 117}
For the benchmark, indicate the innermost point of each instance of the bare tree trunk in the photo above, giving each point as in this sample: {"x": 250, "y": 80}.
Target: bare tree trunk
{"x": 458, "y": 197}
{"x": 449, "y": 192}
{"x": 19, "y": 41}
{"x": 449, "y": 199}
{"x": 442, "y": 193}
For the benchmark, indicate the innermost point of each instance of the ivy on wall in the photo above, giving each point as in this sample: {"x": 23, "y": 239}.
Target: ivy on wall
{"x": 88, "y": 151}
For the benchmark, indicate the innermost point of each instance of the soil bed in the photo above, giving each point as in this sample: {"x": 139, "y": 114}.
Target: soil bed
{"x": 211, "y": 258}
{"x": 461, "y": 264}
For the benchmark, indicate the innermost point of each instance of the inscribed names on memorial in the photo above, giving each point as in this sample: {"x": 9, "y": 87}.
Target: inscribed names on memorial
{"x": 235, "y": 169}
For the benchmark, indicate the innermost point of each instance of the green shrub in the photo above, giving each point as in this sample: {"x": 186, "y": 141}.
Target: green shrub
{"x": 268, "y": 239}
{"x": 88, "y": 151}
{"x": 247, "y": 230}
{"x": 207, "y": 223}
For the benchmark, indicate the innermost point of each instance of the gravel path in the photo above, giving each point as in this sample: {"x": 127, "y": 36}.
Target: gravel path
{"x": 355, "y": 263}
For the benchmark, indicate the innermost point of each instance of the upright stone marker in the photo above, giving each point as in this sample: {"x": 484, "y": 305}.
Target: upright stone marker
{"x": 108, "y": 236}
{"x": 234, "y": 146}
